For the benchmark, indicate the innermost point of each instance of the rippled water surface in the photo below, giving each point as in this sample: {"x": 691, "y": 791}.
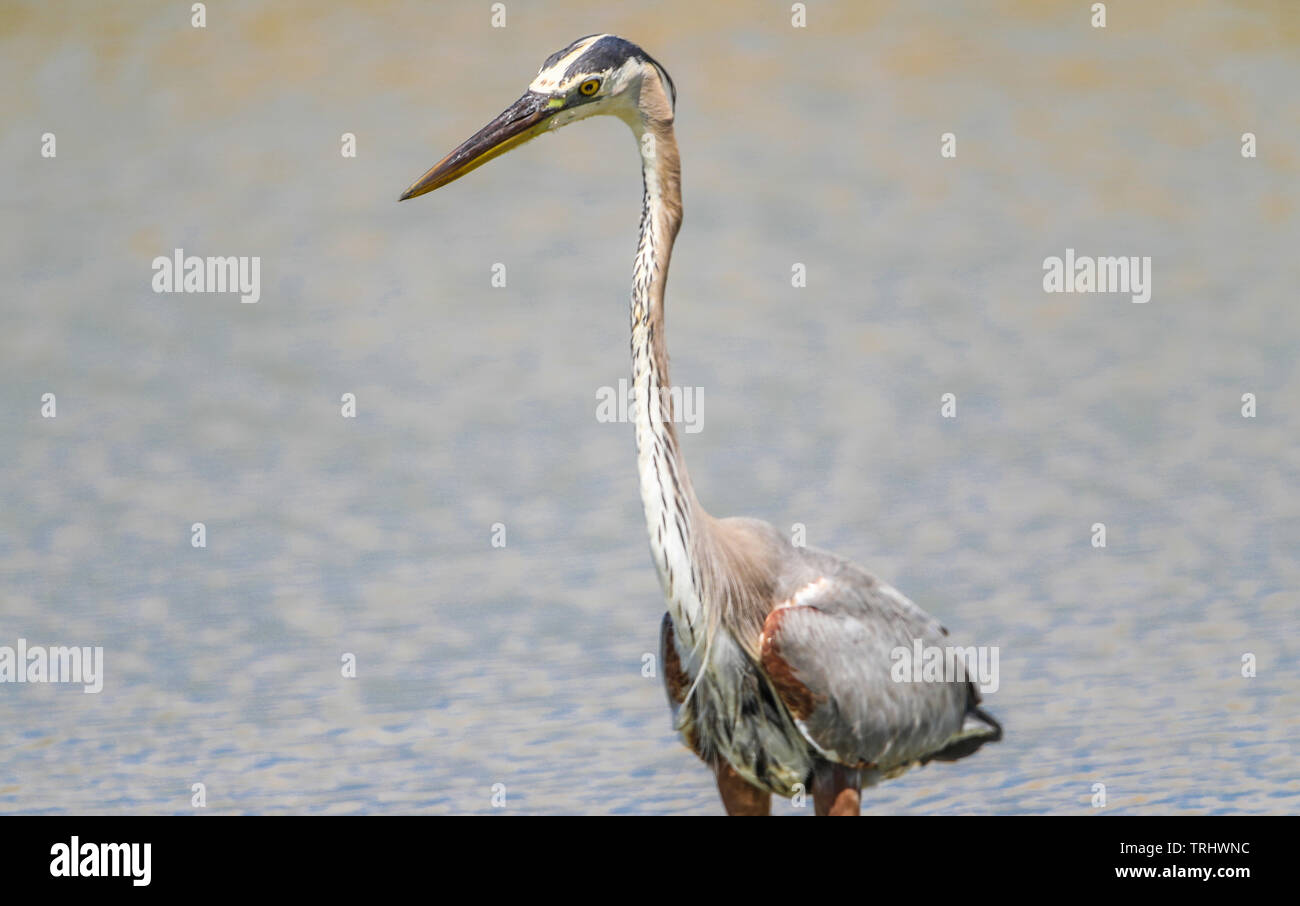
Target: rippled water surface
{"x": 522, "y": 665}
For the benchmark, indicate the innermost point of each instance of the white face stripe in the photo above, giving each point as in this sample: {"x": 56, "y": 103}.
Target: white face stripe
{"x": 549, "y": 79}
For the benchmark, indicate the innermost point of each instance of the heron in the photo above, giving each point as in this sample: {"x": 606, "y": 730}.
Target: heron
{"x": 776, "y": 657}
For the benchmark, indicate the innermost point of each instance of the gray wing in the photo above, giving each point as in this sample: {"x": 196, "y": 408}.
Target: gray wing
{"x": 828, "y": 650}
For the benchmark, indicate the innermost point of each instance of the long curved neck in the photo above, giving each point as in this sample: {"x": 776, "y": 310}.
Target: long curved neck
{"x": 673, "y": 516}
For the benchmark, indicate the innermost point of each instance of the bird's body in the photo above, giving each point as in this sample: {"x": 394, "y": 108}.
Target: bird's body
{"x": 797, "y": 679}
{"x": 776, "y": 658}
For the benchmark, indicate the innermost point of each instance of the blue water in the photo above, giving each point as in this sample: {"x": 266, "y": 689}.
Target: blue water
{"x": 522, "y": 665}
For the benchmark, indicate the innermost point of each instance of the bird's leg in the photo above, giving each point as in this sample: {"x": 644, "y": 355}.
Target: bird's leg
{"x": 837, "y": 790}
{"x": 739, "y": 796}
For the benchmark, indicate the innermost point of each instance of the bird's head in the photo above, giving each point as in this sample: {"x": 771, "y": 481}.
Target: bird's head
{"x": 598, "y": 74}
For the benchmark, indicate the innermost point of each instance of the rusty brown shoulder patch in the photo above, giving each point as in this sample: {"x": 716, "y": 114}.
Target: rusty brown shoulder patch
{"x": 797, "y": 697}
{"x": 676, "y": 679}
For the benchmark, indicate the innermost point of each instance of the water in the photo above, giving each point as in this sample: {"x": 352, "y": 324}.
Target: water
{"x": 476, "y": 405}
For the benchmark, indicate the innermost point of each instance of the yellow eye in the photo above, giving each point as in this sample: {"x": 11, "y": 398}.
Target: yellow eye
{"x": 589, "y": 87}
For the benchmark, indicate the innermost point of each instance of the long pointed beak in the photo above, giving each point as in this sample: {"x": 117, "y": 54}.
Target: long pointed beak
{"x": 521, "y": 121}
